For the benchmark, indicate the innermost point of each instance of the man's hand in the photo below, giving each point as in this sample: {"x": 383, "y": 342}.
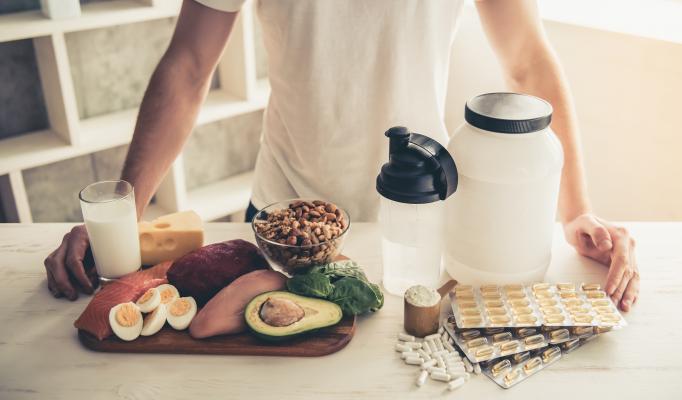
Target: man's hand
{"x": 612, "y": 246}
{"x": 66, "y": 271}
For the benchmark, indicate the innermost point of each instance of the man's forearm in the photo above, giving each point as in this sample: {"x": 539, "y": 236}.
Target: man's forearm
{"x": 167, "y": 115}
{"x": 545, "y": 79}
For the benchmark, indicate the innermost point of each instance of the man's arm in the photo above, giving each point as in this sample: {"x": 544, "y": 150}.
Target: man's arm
{"x": 167, "y": 114}
{"x": 175, "y": 93}
{"x": 517, "y": 36}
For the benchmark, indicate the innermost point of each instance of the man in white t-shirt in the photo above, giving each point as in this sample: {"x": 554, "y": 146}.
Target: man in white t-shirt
{"x": 341, "y": 73}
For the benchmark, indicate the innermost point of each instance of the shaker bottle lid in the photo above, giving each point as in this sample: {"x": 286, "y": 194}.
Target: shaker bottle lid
{"x": 508, "y": 112}
{"x": 420, "y": 170}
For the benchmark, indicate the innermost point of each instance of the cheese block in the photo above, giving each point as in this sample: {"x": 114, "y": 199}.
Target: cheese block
{"x": 170, "y": 237}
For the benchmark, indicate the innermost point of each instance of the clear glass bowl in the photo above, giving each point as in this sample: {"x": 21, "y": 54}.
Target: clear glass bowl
{"x": 290, "y": 258}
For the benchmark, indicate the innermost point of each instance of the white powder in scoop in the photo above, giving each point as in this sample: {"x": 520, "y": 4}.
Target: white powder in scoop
{"x": 421, "y": 296}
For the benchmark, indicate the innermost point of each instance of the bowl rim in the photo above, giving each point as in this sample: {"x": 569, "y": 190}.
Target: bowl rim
{"x": 295, "y": 246}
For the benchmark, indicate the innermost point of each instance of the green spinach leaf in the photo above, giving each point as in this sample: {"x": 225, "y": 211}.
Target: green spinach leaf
{"x": 312, "y": 284}
{"x": 354, "y": 296}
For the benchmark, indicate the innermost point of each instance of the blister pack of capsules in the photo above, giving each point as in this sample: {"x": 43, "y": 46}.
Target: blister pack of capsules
{"x": 514, "y": 369}
{"x": 539, "y": 304}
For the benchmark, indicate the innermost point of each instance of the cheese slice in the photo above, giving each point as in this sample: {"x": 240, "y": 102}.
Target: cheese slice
{"x": 170, "y": 237}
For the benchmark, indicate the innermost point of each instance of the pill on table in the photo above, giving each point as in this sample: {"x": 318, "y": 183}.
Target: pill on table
{"x": 469, "y": 334}
{"x": 511, "y": 376}
{"x": 500, "y": 367}
{"x": 456, "y": 383}
{"x": 509, "y": 346}
{"x": 401, "y": 347}
{"x": 518, "y": 358}
{"x": 432, "y": 336}
{"x": 439, "y": 345}
{"x": 405, "y": 337}
{"x": 476, "y": 342}
{"x": 456, "y": 375}
{"x": 591, "y": 286}
{"x": 444, "y": 377}
{"x": 502, "y": 337}
{"x": 566, "y": 287}
{"x": 407, "y": 354}
{"x": 423, "y": 355}
{"x": 532, "y": 364}
{"x": 477, "y": 369}
{"x": 468, "y": 366}
{"x": 559, "y": 334}
{"x": 428, "y": 364}
{"x": 455, "y": 368}
{"x": 551, "y": 354}
{"x": 422, "y": 378}
{"x": 533, "y": 340}
{"x": 414, "y": 345}
{"x": 448, "y": 346}
{"x": 437, "y": 370}
{"x": 413, "y": 361}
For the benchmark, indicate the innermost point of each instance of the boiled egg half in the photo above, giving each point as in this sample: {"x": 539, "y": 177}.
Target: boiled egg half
{"x": 181, "y": 311}
{"x": 149, "y": 300}
{"x": 168, "y": 293}
{"x": 154, "y": 321}
{"x": 126, "y": 321}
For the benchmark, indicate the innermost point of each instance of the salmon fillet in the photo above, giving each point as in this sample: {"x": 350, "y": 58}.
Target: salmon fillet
{"x": 95, "y": 317}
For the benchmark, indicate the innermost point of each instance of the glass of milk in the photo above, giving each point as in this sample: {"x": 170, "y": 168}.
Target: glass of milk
{"x": 111, "y": 220}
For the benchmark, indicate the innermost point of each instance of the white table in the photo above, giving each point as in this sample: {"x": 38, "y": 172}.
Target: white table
{"x": 41, "y": 358}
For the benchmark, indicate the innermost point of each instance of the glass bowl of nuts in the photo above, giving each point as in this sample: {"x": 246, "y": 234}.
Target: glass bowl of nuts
{"x": 297, "y": 234}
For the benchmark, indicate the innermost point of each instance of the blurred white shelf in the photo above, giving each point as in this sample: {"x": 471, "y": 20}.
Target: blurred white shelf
{"x": 110, "y": 130}
{"x": 221, "y": 198}
{"x": 30, "y": 24}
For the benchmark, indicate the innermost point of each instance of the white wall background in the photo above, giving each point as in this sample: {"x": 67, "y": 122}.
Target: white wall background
{"x": 628, "y": 96}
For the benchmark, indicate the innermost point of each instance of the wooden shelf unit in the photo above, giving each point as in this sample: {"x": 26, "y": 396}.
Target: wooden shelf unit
{"x": 68, "y": 136}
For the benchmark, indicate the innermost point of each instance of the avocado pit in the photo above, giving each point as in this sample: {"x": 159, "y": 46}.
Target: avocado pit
{"x": 280, "y": 312}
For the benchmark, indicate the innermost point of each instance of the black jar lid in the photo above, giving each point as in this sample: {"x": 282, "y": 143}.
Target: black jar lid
{"x": 420, "y": 170}
{"x": 508, "y": 112}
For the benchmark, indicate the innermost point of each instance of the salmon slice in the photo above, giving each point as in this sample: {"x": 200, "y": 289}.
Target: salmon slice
{"x": 95, "y": 317}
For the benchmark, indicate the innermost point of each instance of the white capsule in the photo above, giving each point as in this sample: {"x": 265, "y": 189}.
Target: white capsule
{"x": 448, "y": 347}
{"x": 424, "y": 354}
{"x": 405, "y": 337}
{"x": 455, "y": 364}
{"x": 468, "y": 366}
{"x": 441, "y": 353}
{"x": 441, "y": 330}
{"x": 401, "y": 347}
{"x": 439, "y": 345}
{"x": 455, "y": 368}
{"x": 414, "y": 345}
{"x": 440, "y": 362}
{"x": 456, "y": 375}
{"x": 477, "y": 369}
{"x": 457, "y": 383}
{"x": 440, "y": 377}
{"x": 429, "y": 363}
{"x": 413, "y": 361}
{"x": 432, "y": 336}
{"x": 436, "y": 370}
{"x": 407, "y": 354}
{"x": 431, "y": 345}
{"x": 422, "y": 378}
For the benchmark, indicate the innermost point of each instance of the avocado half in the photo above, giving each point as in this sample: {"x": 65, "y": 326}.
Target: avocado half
{"x": 318, "y": 314}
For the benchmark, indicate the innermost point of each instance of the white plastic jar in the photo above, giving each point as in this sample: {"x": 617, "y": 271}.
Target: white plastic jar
{"x": 500, "y": 222}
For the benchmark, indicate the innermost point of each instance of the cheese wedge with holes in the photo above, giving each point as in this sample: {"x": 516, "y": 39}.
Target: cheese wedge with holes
{"x": 170, "y": 237}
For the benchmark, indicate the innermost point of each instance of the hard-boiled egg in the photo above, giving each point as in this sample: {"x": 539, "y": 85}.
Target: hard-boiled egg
{"x": 154, "y": 322}
{"x": 168, "y": 293}
{"x": 180, "y": 312}
{"x": 149, "y": 300}
{"x": 126, "y": 321}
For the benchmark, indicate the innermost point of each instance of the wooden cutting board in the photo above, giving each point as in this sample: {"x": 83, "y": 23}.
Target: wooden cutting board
{"x": 319, "y": 343}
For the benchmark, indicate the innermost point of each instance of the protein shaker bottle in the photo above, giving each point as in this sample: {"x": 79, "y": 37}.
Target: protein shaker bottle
{"x": 419, "y": 175}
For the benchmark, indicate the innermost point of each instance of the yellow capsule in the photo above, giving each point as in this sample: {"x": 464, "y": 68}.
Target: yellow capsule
{"x": 532, "y": 364}
{"x": 476, "y": 342}
{"x": 595, "y": 294}
{"x": 464, "y": 295}
{"x": 470, "y": 322}
{"x": 519, "y": 303}
{"x": 550, "y": 310}
{"x": 526, "y": 319}
{"x": 522, "y": 310}
{"x": 578, "y": 310}
{"x": 566, "y": 287}
{"x": 496, "y": 311}
{"x": 568, "y": 295}
{"x": 534, "y": 340}
{"x": 502, "y": 337}
{"x": 514, "y": 287}
{"x": 511, "y": 376}
{"x": 549, "y": 328}
{"x": 582, "y": 330}
{"x": 551, "y": 354}
{"x": 570, "y": 345}
{"x": 500, "y": 319}
{"x": 559, "y": 334}
{"x": 573, "y": 302}
{"x": 463, "y": 288}
{"x": 582, "y": 318}
{"x": 491, "y": 295}
{"x": 591, "y": 286}
{"x": 547, "y": 302}
{"x": 600, "y": 303}
{"x": 525, "y": 332}
{"x": 610, "y": 318}
{"x": 554, "y": 319}
{"x": 516, "y": 295}
{"x": 489, "y": 288}
{"x": 543, "y": 294}
{"x": 604, "y": 310}
{"x": 500, "y": 367}
{"x": 494, "y": 303}
{"x": 493, "y": 331}
{"x": 484, "y": 351}
{"x": 467, "y": 304}
{"x": 518, "y": 358}
{"x": 470, "y": 334}
{"x": 469, "y": 312}
{"x": 509, "y": 346}
{"x": 540, "y": 286}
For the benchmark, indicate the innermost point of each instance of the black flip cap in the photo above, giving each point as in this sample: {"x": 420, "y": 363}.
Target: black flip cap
{"x": 420, "y": 170}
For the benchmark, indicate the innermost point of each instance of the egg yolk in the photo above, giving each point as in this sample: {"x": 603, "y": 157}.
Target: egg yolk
{"x": 180, "y": 307}
{"x": 127, "y": 315}
{"x": 146, "y": 296}
{"x": 167, "y": 295}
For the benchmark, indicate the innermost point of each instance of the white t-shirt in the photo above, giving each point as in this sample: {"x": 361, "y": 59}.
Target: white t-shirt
{"x": 342, "y": 72}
